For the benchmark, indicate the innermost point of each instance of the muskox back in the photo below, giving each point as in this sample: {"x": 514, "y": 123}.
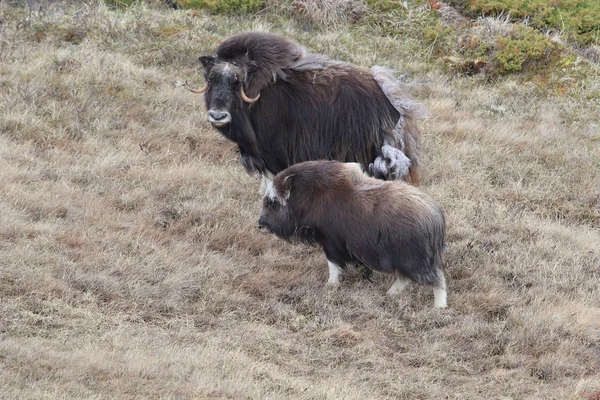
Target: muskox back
{"x": 282, "y": 105}
{"x": 317, "y": 114}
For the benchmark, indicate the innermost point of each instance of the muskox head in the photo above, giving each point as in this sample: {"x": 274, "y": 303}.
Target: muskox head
{"x": 277, "y": 215}
{"x": 224, "y": 89}
{"x": 241, "y": 68}
{"x": 283, "y": 213}
{"x": 298, "y": 197}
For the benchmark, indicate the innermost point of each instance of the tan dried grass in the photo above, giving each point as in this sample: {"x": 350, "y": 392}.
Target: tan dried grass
{"x": 130, "y": 265}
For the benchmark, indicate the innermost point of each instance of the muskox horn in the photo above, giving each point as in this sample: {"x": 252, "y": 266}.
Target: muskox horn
{"x": 201, "y": 90}
{"x": 246, "y": 98}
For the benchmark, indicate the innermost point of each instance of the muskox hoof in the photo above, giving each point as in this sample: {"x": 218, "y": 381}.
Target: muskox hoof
{"x": 367, "y": 274}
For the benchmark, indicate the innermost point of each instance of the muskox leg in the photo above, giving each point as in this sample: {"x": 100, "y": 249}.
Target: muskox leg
{"x": 439, "y": 292}
{"x": 398, "y": 286}
{"x": 335, "y": 274}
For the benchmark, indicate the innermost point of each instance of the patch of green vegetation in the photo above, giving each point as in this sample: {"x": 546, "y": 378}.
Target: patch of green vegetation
{"x": 440, "y": 37}
{"x": 579, "y": 19}
{"x": 496, "y": 49}
{"x": 169, "y": 30}
{"x": 393, "y": 18}
{"x": 222, "y": 6}
{"x": 524, "y": 47}
{"x": 385, "y": 5}
{"x": 214, "y": 6}
{"x": 121, "y": 3}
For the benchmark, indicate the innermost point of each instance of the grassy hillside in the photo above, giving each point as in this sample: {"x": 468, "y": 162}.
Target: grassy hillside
{"x": 130, "y": 262}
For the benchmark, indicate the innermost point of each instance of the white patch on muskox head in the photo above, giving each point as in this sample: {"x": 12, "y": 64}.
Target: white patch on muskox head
{"x": 265, "y": 178}
{"x": 270, "y": 191}
{"x": 274, "y": 195}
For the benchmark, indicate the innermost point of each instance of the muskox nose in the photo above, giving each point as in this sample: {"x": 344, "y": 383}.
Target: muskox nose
{"x": 219, "y": 117}
{"x": 263, "y": 228}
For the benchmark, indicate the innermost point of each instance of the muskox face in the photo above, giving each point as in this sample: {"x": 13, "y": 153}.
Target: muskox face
{"x": 277, "y": 216}
{"x": 224, "y": 90}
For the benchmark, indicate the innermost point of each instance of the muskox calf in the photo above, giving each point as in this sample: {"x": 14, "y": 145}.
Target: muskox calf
{"x": 387, "y": 226}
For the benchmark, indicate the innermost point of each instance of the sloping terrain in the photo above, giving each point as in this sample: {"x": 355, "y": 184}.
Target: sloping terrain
{"x": 130, "y": 262}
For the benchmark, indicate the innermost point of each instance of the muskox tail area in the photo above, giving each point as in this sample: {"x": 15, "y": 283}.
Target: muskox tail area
{"x": 424, "y": 263}
{"x": 440, "y": 293}
{"x": 405, "y": 136}
{"x": 438, "y": 242}
{"x": 431, "y": 275}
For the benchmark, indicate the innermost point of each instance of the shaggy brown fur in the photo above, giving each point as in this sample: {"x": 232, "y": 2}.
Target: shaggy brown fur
{"x": 309, "y": 107}
{"x": 390, "y": 227}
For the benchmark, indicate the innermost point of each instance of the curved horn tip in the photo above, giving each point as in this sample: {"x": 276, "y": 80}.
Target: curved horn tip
{"x": 246, "y": 98}
{"x": 197, "y": 91}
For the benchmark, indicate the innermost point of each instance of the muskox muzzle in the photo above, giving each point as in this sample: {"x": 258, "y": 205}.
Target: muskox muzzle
{"x": 219, "y": 117}
{"x": 264, "y": 228}
{"x": 263, "y": 225}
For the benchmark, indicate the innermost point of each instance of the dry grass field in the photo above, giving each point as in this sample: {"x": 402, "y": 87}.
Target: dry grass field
{"x": 131, "y": 265}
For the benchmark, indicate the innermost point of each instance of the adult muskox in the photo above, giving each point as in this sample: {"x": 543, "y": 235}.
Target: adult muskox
{"x": 385, "y": 226}
{"x": 282, "y": 105}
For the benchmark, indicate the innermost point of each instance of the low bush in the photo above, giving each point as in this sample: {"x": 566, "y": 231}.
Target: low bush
{"x": 495, "y": 47}
{"x": 214, "y": 6}
{"x": 579, "y": 20}
{"x": 222, "y": 6}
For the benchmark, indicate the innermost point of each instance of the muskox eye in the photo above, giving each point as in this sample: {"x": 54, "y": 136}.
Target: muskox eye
{"x": 273, "y": 205}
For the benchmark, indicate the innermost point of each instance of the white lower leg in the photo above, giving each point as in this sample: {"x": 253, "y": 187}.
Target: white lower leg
{"x": 439, "y": 293}
{"x": 335, "y": 274}
{"x": 398, "y": 286}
